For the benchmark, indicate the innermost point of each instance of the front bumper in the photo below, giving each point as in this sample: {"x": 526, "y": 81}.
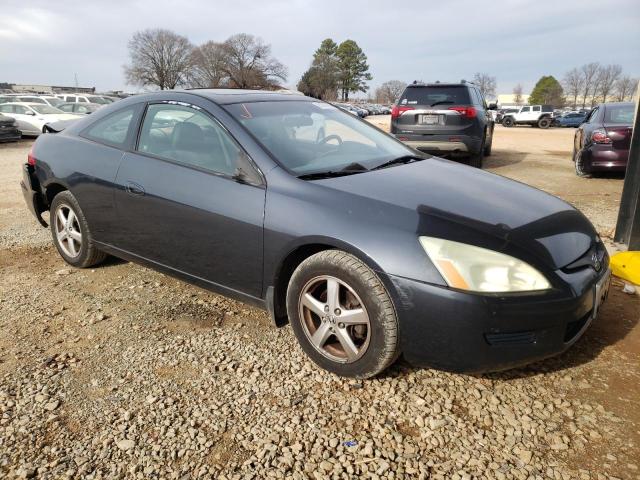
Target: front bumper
{"x": 462, "y": 332}
{"x": 32, "y": 196}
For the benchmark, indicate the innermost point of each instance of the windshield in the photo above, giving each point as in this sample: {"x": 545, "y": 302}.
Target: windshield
{"x": 46, "y": 109}
{"x": 434, "y": 95}
{"x": 313, "y": 137}
{"x": 99, "y": 100}
{"x": 53, "y": 101}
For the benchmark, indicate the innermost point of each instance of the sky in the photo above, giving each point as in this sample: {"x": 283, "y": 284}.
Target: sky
{"x": 517, "y": 41}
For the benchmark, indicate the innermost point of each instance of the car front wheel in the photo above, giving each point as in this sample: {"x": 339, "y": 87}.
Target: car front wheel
{"x": 71, "y": 234}
{"x": 342, "y": 315}
{"x": 508, "y": 122}
{"x": 544, "y": 122}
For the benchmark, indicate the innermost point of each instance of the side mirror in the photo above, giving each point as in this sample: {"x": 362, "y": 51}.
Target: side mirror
{"x": 493, "y": 106}
{"x": 29, "y": 112}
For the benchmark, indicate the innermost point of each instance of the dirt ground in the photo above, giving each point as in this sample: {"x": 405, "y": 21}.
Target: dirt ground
{"x": 109, "y": 333}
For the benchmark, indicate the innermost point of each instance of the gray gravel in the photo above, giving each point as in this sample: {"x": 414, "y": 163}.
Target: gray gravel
{"x": 121, "y": 372}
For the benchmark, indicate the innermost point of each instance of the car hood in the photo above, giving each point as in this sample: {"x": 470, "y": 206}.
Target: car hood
{"x": 465, "y": 204}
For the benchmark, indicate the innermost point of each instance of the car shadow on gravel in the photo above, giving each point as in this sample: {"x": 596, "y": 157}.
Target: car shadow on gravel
{"x": 503, "y": 158}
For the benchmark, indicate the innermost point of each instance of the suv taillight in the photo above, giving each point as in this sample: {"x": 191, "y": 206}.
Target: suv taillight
{"x": 600, "y": 136}
{"x": 396, "y": 111}
{"x": 467, "y": 112}
{"x": 31, "y": 160}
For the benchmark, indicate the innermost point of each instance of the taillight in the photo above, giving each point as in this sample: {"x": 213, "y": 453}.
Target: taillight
{"x": 600, "y": 136}
{"x": 467, "y": 112}
{"x": 31, "y": 160}
{"x": 396, "y": 111}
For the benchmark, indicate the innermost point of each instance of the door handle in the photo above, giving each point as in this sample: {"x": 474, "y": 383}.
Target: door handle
{"x": 134, "y": 188}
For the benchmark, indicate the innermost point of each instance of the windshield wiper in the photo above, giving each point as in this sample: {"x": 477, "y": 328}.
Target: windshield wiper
{"x": 442, "y": 102}
{"x": 350, "y": 169}
{"x": 399, "y": 161}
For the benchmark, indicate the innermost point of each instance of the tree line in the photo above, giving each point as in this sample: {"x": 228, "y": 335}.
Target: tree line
{"x": 164, "y": 59}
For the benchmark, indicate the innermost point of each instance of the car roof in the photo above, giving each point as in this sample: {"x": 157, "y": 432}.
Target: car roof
{"x": 440, "y": 84}
{"x": 224, "y": 96}
{"x": 28, "y": 104}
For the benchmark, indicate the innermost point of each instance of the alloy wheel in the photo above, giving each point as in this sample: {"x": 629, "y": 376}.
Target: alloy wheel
{"x": 334, "y": 319}
{"x": 68, "y": 231}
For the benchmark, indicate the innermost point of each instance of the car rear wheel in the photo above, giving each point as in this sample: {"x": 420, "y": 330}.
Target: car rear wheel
{"x": 508, "y": 122}
{"x": 544, "y": 122}
{"x": 475, "y": 160}
{"x": 342, "y": 315}
{"x": 487, "y": 148}
{"x": 71, "y": 234}
{"x": 578, "y": 160}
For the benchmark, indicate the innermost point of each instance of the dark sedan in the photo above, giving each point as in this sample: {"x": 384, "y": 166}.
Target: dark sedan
{"x": 368, "y": 248}
{"x": 8, "y": 130}
{"x": 601, "y": 143}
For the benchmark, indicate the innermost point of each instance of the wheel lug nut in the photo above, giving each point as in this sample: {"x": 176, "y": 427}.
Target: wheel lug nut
{"x": 341, "y": 325}
{"x": 337, "y": 311}
{"x": 326, "y": 308}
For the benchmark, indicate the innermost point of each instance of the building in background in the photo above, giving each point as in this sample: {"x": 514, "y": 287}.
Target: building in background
{"x": 23, "y": 88}
{"x": 509, "y": 100}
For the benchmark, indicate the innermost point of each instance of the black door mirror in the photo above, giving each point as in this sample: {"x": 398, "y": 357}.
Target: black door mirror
{"x": 493, "y": 106}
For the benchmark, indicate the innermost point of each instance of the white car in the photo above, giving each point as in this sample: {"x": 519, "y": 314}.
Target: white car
{"x": 42, "y": 99}
{"x": 31, "y": 117}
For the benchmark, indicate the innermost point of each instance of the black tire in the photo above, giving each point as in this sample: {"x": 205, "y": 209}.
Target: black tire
{"x": 382, "y": 347}
{"x": 508, "y": 122}
{"x": 87, "y": 255}
{"x": 475, "y": 160}
{"x": 544, "y": 122}
{"x": 578, "y": 161}
{"x": 487, "y": 148}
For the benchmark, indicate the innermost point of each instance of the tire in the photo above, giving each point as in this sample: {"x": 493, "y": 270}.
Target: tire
{"x": 508, "y": 122}
{"x": 544, "y": 122}
{"x": 360, "y": 292}
{"x": 475, "y": 160}
{"x": 487, "y": 148}
{"x": 579, "y": 165}
{"x": 73, "y": 241}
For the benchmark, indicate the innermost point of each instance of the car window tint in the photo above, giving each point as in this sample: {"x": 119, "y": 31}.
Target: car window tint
{"x": 20, "y": 109}
{"x": 593, "y": 115}
{"x": 619, "y": 114}
{"x": 525, "y": 109}
{"x": 112, "y": 129}
{"x": 6, "y": 108}
{"x": 536, "y": 109}
{"x": 188, "y": 135}
{"x": 445, "y": 95}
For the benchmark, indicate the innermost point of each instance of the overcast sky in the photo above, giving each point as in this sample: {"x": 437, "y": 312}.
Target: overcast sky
{"x": 48, "y": 42}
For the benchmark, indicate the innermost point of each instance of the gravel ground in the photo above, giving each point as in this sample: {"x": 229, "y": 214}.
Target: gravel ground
{"x": 122, "y": 372}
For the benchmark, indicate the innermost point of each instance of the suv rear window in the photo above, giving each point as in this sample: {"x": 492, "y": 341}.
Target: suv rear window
{"x": 433, "y": 95}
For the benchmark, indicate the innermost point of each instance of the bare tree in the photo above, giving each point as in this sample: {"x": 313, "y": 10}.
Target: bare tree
{"x": 248, "y": 63}
{"x": 573, "y": 85}
{"x": 607, "y": 79}
{"x": 486, "y": 83}
{"x": 390, "y": 91}
{"x": 589, "y": 73}
{"x": 208, "y": 66}
{"x": 625, "y": 88}
{"x": 517, "y": 94}
{"x": 159, "y": 57}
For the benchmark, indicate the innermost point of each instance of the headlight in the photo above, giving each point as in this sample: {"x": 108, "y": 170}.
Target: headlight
{"x": 480, "y": 270}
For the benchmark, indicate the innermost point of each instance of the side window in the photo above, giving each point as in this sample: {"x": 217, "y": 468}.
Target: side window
{"x": 20, "y": 109}
{"x": 525, "y": 109}
{"x": 81, "y": 109}
{"x": 112, "y": 129}
{"x": 593, "y": 115}
{"x": 537, "y": 108}
{"x": 189, "y": 136}
{"x": 6, "y": 108}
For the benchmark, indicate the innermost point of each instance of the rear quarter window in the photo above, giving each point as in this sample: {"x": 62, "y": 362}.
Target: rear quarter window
{"x": 113, "y": 129}
{"x": 432, "y": 96}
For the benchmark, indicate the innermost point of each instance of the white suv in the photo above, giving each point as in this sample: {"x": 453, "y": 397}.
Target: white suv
{"x": 534, "y": 115}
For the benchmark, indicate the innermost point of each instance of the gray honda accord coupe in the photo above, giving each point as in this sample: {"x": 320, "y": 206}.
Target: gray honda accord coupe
{"x": 368, "y": 248}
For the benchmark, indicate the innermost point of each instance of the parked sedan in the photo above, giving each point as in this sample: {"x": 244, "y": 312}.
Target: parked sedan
{"x": 366, "y": 247}
{"x": 31, "y": 117}
{"x": 602, "y": 141}
{"x": 8, "y": 130}
{"x": 79, "y": 108}
{"x": 570, "y": 120}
